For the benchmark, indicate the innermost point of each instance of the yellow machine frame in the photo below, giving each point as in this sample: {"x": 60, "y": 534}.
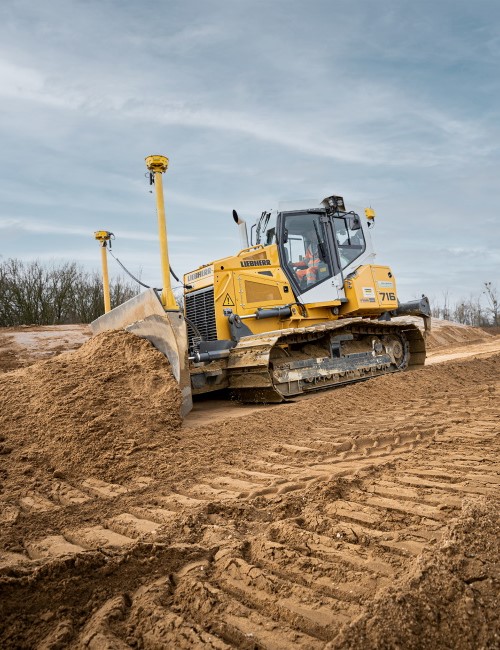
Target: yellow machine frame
{"x": 254, "y": 278}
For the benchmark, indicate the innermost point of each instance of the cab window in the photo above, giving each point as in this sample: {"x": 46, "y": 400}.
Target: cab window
{"x": 349, "y": 236}
{"x": 266, "y": 229}
{"x": 305, "y": 250}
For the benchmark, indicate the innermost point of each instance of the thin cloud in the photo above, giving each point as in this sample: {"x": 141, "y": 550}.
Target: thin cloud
{"x": 287, "y": 131}
{"x": 43, "y": 227}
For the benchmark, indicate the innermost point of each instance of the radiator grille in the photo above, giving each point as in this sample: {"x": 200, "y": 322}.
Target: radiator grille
{"x": 200, "y": 309}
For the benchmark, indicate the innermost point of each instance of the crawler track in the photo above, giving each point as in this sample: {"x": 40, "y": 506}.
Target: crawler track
{"x": 255, "y": 375}
{"x": 281, "y": 543}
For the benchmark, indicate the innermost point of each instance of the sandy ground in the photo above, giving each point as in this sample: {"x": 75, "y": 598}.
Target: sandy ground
{"x": 363, "y": 517}
{"x": 22, "y": 346}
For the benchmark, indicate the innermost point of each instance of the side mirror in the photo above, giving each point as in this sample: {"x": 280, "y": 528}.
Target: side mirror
{"x": 354, "y": 222}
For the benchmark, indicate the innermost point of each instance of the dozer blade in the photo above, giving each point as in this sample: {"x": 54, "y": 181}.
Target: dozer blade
{"x": 144, "y": 316}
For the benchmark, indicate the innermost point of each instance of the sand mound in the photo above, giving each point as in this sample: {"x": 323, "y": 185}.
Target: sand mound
{"x": 87, "y": 411}
{"x": 446, "y": 333}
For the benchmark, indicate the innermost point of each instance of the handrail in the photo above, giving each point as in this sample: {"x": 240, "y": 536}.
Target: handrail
{"x": 250, "y": 248}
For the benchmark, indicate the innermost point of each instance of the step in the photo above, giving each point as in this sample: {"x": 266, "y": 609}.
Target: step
{"x": 102, "y": 489}
{"x": 158, "y": 515}
{"x": 325, "y": 577}
{"x": 98, "y": 633}
{"x": 483, "y": 478}
{"x": 231, "y": 619}
{"x": 52, "y": 546}
{"x": 36, "y": 503}
{"x": 67, "y": 495}
{"x": 390, "y": 489}
{"x": 321, "y": 617}
{"x": 353, "y": 511}
{"x": 405, "y": 546}
{"x": 325, "y": 547}
{"x": 348, "y": 467}
{"x": 356, "y": 533}
{"x": 447, "y": 487}
{"x": 134, "y": 527}
{"x": 93, "y": 537}
{"x": 407, "y": 507}
{"x": 175, "y": 501}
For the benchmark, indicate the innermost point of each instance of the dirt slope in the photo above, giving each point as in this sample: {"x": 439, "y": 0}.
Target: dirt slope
{"x": 89, "y": 411}
{"x": 363, "y": 517}
{"x": 445, "y": 333}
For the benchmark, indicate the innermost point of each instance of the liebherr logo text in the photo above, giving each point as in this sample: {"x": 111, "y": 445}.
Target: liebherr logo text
{"x": 256, "y": 263}
{"x": 199, "y": 274}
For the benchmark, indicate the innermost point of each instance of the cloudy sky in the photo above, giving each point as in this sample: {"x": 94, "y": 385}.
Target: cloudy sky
{"x": 390, "y": 103}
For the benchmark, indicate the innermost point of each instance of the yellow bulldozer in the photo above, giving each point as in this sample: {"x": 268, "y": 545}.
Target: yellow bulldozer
{"x": 301, "y": 307}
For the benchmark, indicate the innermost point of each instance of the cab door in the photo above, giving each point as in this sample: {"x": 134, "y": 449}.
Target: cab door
{"x": 308, "y": 256}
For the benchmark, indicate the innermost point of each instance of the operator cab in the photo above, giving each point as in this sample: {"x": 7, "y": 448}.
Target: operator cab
{"x": 314, "y": 244}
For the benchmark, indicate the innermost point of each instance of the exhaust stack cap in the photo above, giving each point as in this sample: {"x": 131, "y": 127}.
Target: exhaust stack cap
{"x": 237, "y": 218}
{"x": 242, "y": 224}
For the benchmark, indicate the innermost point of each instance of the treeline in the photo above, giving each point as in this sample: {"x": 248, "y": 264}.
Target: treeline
{"x": 481, "y": 310}
{"x": 32, "y": 293}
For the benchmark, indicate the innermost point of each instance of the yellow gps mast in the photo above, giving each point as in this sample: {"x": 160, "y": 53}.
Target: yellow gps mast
{"x": 103, "y": 236}
{"x": 157, "y": 165}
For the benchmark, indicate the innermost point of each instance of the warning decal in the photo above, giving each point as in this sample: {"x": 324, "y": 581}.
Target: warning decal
{"x": 227, "y": 301}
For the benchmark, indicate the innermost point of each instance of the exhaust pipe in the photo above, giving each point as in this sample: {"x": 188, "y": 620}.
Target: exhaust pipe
{"x": 242, "y": 225}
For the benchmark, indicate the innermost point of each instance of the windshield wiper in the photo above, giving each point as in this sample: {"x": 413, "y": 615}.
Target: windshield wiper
{"x": 321, "y": 243}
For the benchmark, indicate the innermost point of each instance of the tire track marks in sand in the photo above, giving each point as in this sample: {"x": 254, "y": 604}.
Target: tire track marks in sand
{"x": 283, "y": 549}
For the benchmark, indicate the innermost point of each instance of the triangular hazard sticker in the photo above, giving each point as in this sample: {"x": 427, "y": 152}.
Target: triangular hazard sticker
{"x": 227, "y": 301}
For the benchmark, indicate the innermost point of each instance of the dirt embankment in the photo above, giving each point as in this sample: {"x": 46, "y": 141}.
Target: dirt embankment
{"x": 86, "y": 412}
{"x": 446, "y": 333}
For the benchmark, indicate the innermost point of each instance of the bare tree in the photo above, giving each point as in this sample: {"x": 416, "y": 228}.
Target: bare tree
{"x": 34, "y": 294}
{"x": 470, "y": 312}
{"x": 491, "y": 293}
{"x": 446, "y": 313}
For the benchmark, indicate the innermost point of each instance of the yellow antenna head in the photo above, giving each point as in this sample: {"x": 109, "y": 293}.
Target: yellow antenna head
{"x": 157, "y": 163}
{"x": 103, "y": 235}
